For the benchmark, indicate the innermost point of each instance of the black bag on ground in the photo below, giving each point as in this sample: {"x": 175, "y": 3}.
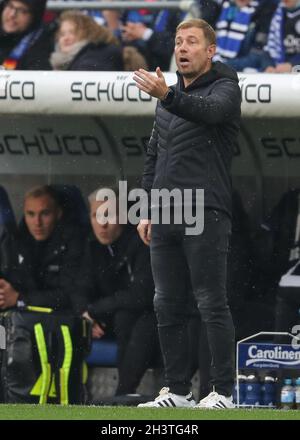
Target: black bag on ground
{"x": 44, "y": 358}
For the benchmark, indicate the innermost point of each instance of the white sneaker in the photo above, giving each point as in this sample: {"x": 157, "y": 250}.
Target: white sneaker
{"x": 216, "y": 401}
{"x": 166, "y": 399}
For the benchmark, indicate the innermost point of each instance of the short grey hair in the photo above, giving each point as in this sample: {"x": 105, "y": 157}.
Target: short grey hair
{"x": 93, "y": 196}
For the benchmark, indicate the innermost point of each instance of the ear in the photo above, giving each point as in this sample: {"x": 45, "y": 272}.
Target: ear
{"x": 59, "y": 213}
{"x": 211, "y": 51}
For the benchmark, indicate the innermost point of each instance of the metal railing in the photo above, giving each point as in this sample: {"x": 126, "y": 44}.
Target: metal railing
{"x": 184, "y": 5}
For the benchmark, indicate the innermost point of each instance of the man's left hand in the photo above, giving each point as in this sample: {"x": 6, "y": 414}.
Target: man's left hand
{"x": 153, "y": 85}
{"x": 8, "y": 295}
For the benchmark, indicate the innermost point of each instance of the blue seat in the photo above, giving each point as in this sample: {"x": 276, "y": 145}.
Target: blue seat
{"x": 103, "y": 353}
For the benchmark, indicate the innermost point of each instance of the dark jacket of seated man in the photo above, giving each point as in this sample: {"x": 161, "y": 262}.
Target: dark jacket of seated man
{"x": 44, "y": 256}
{"x": 115, "y": 276}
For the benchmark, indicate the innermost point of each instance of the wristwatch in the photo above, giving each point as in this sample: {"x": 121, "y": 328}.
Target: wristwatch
{"x": 167, "y": 99}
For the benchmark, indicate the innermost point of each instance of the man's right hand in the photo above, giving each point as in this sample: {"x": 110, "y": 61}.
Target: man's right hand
{"x": 144, "y": 230}
{"x": 97, "y": 330}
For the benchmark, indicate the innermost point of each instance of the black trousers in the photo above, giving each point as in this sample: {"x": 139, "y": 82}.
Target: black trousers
{"x": 138, "y": 347}
{"x": 201, "y": 260}
{"x": 199, "y": 354}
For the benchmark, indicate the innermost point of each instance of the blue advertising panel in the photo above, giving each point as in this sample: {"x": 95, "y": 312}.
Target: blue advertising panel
{"x": 263, "y": 355}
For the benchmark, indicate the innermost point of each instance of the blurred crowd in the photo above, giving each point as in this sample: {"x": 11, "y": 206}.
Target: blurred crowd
{"x": 252, "y": 35}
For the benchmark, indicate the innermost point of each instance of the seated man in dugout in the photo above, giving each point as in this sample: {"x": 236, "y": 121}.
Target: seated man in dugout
{"x": 117, "y": 280}
{"x": 42, "y": 260}
{"x": 44, "y": 257}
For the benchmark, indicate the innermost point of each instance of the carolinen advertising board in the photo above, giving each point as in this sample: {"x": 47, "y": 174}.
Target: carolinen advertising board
{"x": 271, "y": 356}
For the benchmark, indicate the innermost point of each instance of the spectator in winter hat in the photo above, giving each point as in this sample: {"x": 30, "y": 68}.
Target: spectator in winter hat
{"x": 25, "y": 43}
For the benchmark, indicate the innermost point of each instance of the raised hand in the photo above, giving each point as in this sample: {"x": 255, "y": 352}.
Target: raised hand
{"x": 153, "y": 85}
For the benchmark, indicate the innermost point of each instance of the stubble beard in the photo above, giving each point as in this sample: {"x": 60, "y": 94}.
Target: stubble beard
{"x": 189, "y": 75}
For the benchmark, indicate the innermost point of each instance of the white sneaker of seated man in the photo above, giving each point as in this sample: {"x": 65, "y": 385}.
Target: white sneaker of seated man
{"x": 216, "y": 401}
{"x": 165, "y": 399}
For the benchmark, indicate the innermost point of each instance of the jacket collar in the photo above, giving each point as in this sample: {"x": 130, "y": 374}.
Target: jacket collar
{"x": 218, "y": 71}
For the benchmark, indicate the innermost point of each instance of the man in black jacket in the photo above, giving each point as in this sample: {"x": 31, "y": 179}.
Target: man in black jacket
{"x": 41, "y": 264}
{"x": 116, "y": 290}
{"x": 191, "y": 147}
{"x": 45, "y": 256}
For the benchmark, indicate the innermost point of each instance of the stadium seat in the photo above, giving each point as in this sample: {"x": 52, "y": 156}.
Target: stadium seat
{"x": 103, "y": 353}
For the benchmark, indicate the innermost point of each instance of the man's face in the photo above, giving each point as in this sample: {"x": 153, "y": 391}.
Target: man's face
{"x": 192, "y": 52}
{"x": 109, "y": 232}
{"x": 41, "y": 215}
{"x": 16, "y": 17}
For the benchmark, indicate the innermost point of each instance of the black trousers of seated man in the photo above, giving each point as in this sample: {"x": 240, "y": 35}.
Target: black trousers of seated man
{"x": 201, "y": 259}
{"x": 138, "y": 347}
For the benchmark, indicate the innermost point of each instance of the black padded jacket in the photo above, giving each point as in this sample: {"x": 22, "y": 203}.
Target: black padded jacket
{"x": 194, "y": 135}
{"x": 44, "y": 272}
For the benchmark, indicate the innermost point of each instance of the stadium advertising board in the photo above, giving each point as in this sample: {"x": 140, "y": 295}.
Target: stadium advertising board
{"x": 262, "y": 355}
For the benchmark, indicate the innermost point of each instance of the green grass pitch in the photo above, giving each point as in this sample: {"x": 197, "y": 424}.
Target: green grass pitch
{"x": 74, "y": 412}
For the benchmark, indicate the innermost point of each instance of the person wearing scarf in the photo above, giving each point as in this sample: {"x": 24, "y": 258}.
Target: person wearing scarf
{"x": 25, "y": 44}
{"x": 283, "y": 45}
{"x": 242, "y": 29}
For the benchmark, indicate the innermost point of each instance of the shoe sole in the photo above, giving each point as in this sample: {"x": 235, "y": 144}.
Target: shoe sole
{"x": 211, "y": 407}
